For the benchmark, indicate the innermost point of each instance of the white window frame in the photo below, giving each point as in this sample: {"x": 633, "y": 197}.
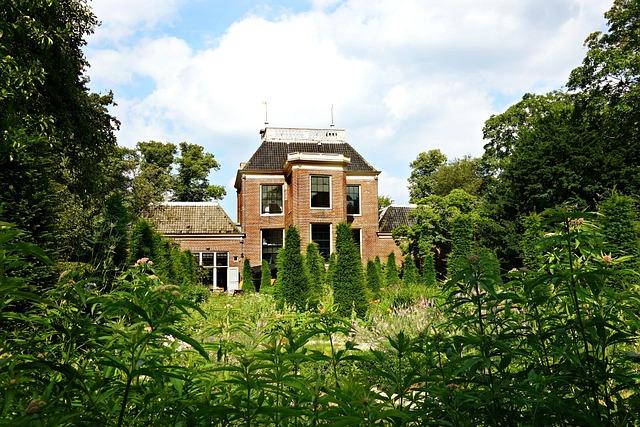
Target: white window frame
{"x": 215, "y": 266}
{"x": 261, "y": 244}
{"x": 330, "y": 234}
{"x": 281, "y": 190}
{"x": 360, "y": 238}
{"x": 330, "y": 192}
{"x": 359, "y": 198}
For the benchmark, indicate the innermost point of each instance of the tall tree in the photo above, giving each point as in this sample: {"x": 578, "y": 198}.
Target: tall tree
{"x": 422, "y": 169}
{"x": 56, "y": 138}
{"x": 315, "y": 267}
{"x": 348, "y": 280}
{"x": 409, "y": 271}
{"x": 153, "y": 181}
{"x": 458, "y": 174}
{"x": 384, "y": 201}
{"x": 293, "y": 280}
{"x": 373, "y": 278}
{"x": 192, "y": 184}
{"x": 247, "y": 277}
{"x": 391, "y": 272}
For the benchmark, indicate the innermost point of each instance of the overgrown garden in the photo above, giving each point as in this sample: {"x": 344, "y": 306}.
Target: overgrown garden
{"x": 516, "y": 301}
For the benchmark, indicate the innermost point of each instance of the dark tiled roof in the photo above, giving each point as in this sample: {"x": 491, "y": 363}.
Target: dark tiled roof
{"x": 393, "y": 216}
{"x": 271, "y": 155}
{"x": 192, "y": 218}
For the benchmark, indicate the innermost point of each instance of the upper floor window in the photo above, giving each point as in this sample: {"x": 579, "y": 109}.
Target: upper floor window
{"x": 353, "y": 200}
{"x": 320, "y": 191}
{"x": 271, "y": 199}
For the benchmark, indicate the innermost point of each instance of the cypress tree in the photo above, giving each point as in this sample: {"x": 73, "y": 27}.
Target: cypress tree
{"x": 247, "y": 277}
{"x": 292, "y": 277}
{"x": 391, "y": 275}
{"x": 331, "y": 269}
{"x": 373, "y": 278}
{"x": 348, "y": 279}
{"x": 315, "y": 267}
{"x": 409, "y": 271}
{"x": 265, "y": 276}
{"x": 428, "y": 275}
{"x": 379, "y": 268}
{"x": 531, "y": 255}
{"x": 619, "y": 223}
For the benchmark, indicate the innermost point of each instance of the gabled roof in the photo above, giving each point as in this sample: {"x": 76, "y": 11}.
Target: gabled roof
{"x": 272, "y": 155}
{"x": 395, "y": 215}
{"x": 192, "y": 218}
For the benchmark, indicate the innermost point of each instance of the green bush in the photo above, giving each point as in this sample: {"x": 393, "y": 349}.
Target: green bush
{"x": 247, "y": 277}
{"x": 348, "y": 279}
{"x": 293, "y": 281}
{"x": 391, "y": 271}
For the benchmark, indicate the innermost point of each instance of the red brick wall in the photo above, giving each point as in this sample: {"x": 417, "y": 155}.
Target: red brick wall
{"x": 251, "y": 219}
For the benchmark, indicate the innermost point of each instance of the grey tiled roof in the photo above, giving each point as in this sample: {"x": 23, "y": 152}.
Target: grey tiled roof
{"x": 192, "y": 218}
{"x": 393, "y": 216}
{"x": 271, "y": 155}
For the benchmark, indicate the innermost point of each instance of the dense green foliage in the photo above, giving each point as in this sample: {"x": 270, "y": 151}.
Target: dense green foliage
{"x": 265, "y": 276}
{"x": 247, "y": 277}
{"x": 348, "y": 278}
{"x": 410, "y": 275}
{"x": 315, "y": 268}
{"x": 391, "y": 271}
{"x": 373, "y": 278}
{"x": 293, "y": 279}
{"x": 102, "y": 322}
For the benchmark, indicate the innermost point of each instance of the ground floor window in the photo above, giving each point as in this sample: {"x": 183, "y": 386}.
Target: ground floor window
{"x": 214, "y": 268}
{"x": 355, "y": 233}
{"x": 271, "y": 244}
{"x": 321, "y": 235}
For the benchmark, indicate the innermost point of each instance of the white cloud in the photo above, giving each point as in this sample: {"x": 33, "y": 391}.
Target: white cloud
{"x": 404, "y": 77}
{"x": 123, "y": 18}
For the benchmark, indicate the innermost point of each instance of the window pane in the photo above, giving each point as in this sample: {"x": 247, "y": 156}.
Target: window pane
{"x": 320, "y": 192}
{"x": 222, "y": 259}
{"x": 271, "y": 243}
{"x": 221, "y": 277}
{"x": 355, "y": 233}
{"x": 207, "y": 259}
{"x": 321, "y": 234}
{"x": 272, "y": 199}
{"x": 353, "y": 200}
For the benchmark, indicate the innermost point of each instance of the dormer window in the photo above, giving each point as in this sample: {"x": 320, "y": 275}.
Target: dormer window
{"x": 271, "y": 199}
{"x": 320, "y": 191}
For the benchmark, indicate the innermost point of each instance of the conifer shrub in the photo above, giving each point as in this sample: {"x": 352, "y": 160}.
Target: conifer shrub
{"x": 379, "y": 268}
{"x": 293, "y": 281}
{"x": 409, "y": 271}
{"x": 391, "y": 271}
{"x": 331, "y": 269}
{"x": 247, "y": 277}
{"x": 315, "y": 268}
{"x": 428, "y": 273}
{"x": 373, "y": 279}
{"x": 619, "y": 223}
{"x": 348, "y": 278}
{"x": 265, "y": 277}
{"x": 141, "y": 242}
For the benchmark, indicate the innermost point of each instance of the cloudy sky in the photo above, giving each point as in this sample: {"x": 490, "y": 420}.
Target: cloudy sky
{"x": 404, "y": 76}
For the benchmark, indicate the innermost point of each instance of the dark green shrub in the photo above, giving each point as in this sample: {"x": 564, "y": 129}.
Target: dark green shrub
{"x": 373, "y": 278}
{"x": 409, "y": 271}
{"x": 315, "y": 268}
{"x": 292, "y": 276}
{"x": 247, "y": 277}
{"x": 265, "y": 277}
{"x": 348, "y": 280}
{"x": 391, "y": 271}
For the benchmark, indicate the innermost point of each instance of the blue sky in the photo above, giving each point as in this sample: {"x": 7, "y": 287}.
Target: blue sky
{"x": 404, "y": 76}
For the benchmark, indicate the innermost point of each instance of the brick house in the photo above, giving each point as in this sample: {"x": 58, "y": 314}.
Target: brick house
{"x": 206, "y": 230}
{"x": 308, "y": 178}
{"x": 311, "y": 179}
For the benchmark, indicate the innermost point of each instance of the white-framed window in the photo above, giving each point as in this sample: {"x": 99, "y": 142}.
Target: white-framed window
{"x": 321, "y": 235}
{"x": 321, "y": 191}
{"x": 272, "y": 242}
{"x": 353, "y": 199}
{"x": 214, "y": 268}
{"x": 271, "y": 199}
{"x": 356, "y": 233}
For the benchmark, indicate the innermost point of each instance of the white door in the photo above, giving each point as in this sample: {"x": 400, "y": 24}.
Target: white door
{"x": 233, "y": 279}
